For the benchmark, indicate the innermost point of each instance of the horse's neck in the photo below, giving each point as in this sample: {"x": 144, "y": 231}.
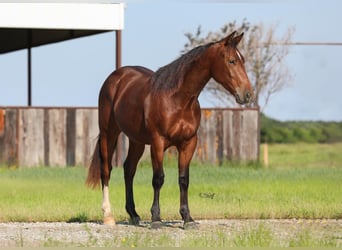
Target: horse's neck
{"x": 197, "y": 77}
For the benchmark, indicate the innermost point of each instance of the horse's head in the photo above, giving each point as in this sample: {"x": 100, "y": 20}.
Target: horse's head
{"x": 229, "y": 70}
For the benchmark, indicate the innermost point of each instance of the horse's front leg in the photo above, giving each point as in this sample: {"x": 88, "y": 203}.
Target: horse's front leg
{"x": 157, "y": 154}
{"x": 185, "y": 151}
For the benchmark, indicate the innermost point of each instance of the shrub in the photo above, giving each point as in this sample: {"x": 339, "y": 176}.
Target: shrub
{"x": 273, "y": 131}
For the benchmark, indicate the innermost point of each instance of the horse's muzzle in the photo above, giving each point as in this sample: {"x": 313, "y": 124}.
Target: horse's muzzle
{"x": 243, "y": 97}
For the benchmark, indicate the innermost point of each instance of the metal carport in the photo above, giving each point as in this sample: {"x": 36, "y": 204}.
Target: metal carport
{"x": 25, "y": 25}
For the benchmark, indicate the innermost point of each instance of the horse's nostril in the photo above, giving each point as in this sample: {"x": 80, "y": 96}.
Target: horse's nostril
{"x": 248, "y": 95}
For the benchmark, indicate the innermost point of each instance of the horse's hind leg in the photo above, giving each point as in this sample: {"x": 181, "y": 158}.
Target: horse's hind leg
{"x": 135, "y": 152}
{"x": 108, "y": 141}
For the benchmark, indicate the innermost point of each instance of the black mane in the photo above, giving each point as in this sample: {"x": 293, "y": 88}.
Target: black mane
{"x": 171, "y": 75}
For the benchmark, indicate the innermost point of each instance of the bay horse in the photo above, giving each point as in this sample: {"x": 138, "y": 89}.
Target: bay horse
{"x": 161, "y": 109}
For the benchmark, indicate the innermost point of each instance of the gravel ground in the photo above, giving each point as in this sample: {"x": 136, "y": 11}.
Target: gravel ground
{"x": 171, "y": 234}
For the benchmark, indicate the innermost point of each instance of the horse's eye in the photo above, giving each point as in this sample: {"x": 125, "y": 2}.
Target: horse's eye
{"x": 231, "y": 62}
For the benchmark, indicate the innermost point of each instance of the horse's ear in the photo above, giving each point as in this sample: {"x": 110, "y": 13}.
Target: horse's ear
{"x": 229, "y": 38}
{"x": 237, "y": 39}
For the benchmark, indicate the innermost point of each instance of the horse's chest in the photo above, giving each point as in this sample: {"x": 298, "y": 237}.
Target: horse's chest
{"x": 183, "y": 129}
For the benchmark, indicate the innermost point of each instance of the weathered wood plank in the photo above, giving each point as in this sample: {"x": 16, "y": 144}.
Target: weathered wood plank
{"x": 57, "y": 138}
{"x": 219, "y": 137}
{"x": 9, "y": 137}
{"x": 70, "y": 136}
{"x": 86, "y": 135}
{"x": 31, "y": 137}
{"x": 3, "y": 158}
{"x": 236, "y": 135}
{"x": 201, "y": 149}
{"x": 46, "y": 137}
{"x": 2, "y": 122}
{"x": 227, "y": 134}
{"x": 249, "y": 136}
{"x": 121, "y": 150}
{"x": 206, "y": 146}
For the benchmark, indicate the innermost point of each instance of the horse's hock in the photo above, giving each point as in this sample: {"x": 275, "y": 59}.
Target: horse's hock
{"x": 62, "y": 137}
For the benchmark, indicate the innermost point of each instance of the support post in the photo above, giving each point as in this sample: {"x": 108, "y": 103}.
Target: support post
{"x": 29, "y": 69}
{"x": 120, "y": 143}
{"x": 118, "y": 39}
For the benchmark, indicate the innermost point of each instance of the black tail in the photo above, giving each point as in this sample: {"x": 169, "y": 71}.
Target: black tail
{"x": 94, "y": 172}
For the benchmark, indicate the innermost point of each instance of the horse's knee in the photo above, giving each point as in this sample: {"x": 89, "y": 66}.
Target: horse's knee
{"x": 158, "y": 180}
{"x": 129, "y": 170}
{"x": 183, "y": 182}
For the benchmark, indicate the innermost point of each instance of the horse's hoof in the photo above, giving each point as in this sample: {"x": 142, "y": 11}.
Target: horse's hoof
{"x": 156, "y": 225}
{"x": 191, "y": 225}
{"x": 109, "y": 221}
{"x": 134, "y": 221}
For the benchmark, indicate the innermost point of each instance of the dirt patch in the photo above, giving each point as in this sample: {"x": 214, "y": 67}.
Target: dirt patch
{"x": 277, "y": 232}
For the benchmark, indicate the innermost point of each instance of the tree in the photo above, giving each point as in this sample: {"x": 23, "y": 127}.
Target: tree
{"x": 264, "y": 55}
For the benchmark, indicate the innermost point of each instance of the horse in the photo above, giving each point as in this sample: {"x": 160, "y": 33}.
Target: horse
{"x": 161, "y": 109}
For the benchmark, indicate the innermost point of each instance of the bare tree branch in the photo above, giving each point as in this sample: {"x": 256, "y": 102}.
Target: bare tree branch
{"x": 265, "y": 64}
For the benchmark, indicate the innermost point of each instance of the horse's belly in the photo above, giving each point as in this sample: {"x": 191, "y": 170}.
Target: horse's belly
{"x": 139, "y": 136}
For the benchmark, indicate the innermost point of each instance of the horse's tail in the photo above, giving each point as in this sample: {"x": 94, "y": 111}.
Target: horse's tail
{"x": 94, "y": 172}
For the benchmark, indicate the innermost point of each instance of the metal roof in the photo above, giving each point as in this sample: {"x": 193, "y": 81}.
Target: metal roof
{"x": 25, "y": 25}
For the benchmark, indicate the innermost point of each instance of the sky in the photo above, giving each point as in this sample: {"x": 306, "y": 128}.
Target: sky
{"x": 71, "y": 73}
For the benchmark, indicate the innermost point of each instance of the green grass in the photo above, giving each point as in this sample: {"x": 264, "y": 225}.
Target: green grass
{"x": 260, "y": 236}
{"x": 294, "y": 186}
{"x": 303, "y": 155}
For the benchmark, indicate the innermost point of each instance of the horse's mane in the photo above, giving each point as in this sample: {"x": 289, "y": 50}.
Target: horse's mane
{"x": 171, "y": 75}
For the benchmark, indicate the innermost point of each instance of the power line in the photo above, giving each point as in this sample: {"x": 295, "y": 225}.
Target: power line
{"x": 309, "y": 43}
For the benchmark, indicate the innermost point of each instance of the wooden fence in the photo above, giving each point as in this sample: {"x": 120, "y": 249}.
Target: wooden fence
{"x": 60, "y": 137}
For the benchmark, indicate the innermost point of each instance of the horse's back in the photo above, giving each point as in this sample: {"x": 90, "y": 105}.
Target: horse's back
{"x": 120, "y": 79}
{"x": 126, "y": 74}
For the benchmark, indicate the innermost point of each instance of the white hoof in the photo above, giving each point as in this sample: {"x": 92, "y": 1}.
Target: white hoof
{"x": 109, "y": 220}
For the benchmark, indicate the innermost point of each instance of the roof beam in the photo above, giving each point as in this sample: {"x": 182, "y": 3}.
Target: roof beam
{"x": 81, "y": 16}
